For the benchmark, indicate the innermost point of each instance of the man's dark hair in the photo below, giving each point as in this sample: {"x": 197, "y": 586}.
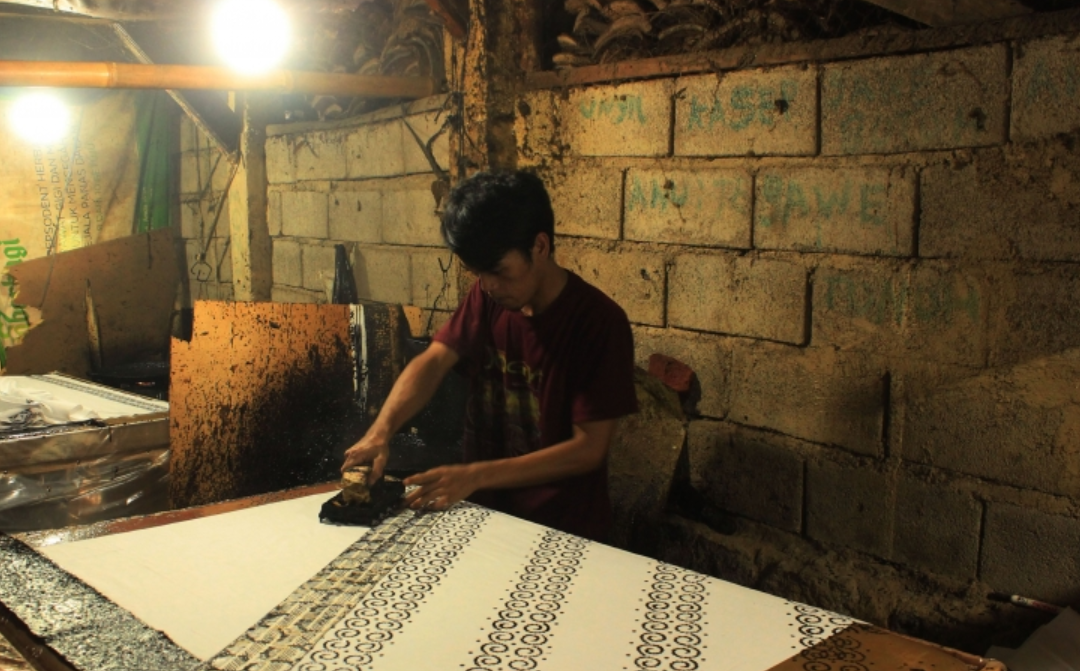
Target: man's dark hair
{"x": 492, "y": 213}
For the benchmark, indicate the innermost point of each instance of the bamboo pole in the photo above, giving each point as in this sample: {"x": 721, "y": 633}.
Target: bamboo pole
{"x": 139, "y": 76}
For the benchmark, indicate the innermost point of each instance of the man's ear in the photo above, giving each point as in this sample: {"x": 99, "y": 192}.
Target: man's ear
{"x": 541, "y": 246}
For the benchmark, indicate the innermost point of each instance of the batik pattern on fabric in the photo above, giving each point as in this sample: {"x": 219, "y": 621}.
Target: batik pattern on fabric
{"x": 521, "y": 634}
{"x": 672, "y": 636}
{"x": 290, "y": 632}
{"x": 815, "y": 625}
{"x": 356, "y": 640}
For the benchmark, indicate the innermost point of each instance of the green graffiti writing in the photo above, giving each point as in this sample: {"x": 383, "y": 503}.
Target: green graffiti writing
{"x": 746, "y": 106}
{"x": 616, "y": 110}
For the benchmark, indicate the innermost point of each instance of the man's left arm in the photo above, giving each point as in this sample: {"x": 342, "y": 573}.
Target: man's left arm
{"x": 582, "y": 453}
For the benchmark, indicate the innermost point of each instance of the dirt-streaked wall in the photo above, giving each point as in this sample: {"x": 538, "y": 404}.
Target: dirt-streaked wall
{"x": 872, "y": 265}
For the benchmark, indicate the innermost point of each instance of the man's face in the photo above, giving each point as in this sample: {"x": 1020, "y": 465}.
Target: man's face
{"x": 513, "y": 283}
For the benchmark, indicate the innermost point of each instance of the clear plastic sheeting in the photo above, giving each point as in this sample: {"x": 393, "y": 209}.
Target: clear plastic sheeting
{"x": 84, "y": 492}
{"x": 88, "y": 471}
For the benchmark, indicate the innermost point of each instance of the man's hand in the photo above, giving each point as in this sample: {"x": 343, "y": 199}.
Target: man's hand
{"x": 374, "y": 449}
{"x": 442, "y": 487}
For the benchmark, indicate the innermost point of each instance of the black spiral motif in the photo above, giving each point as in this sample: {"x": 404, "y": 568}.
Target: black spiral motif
{"x": 814, "y": 624}
{"x": 671, "y": 624}
{"x": 284, "y": 637}
{"x": 355, "y": 641}
{"x": 843, "y": 651}
{"x": 521, "y": 634}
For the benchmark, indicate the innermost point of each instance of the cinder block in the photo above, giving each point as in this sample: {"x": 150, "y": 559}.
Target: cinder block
{"x": 1037, "y": 312}
{"x": 859, "y": 305}
{"x": 692, "y": 207}
{"x": 536, "y": 127}
{"x": 937, "y": 528}
{"x": 286, "y": 260}
{"x": 320, "y": 155}
{"x": 913, "y": 103}
{"x": 822, "y": 396}
{"x": 190, "y": 137}
{"x": 756, "y": 112}
{"x": 427, "y": 126}
{"x": 223, "y": 264}
{"x": 988, "y": 206}
{"x": 749, "y": 473}
{"x": 929, "y": 310}
{"x": 318, "y": 264}
{"x": 304, "y": 214}
{"x": 382, "y": 274}
{"x": 355, "y": 213}
{"x": 633, "y": 279}
{"x": 709, "y": 356}
{"x": 273, "y": 212}
{"x": 587, "y": 199}
{"x": 376, "y": 151}
{"x": 849, "y": 506}
{"x": 1014, "y": 426}
{"x": 946, "y": 314}
{"x": 197, "y": 217}
{"x": 859, "y": 210}
{"x": 279, "y": 160}
{"x": 202, "y": 169}
{"x": 1031, "y": 553}
{"x": 739, "y": 295}
{"x": 622, "y": 120}
{"x": 431, "y": 286}
{"x": 408, "y": 212}
{"x": 1046, "y": 84}
{"x": 279, "y": 294}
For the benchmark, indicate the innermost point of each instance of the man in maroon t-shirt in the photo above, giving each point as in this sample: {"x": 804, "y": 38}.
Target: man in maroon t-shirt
{"x": 550, "y": 362}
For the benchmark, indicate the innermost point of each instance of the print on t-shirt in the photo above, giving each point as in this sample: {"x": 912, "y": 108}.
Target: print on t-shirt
{"x": 508, "y": 399}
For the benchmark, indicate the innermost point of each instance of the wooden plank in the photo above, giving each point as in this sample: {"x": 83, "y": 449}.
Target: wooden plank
{"x": 158, "y": 10}
{"x": 936, "y": 13}
{"x": 261, "y": 400}
{"x": 839, "y": 49}
{"x": 134, "y": 283}
{"x": 455, "y": 16}
{"x": 249, "y": 228}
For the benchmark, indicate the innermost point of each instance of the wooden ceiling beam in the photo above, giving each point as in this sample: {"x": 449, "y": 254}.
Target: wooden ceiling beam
{"x": 455, "y": 15}
{"x": 161, "y": 10}
{"x": 939, "y": 13}
{"x": 140, "y": 76}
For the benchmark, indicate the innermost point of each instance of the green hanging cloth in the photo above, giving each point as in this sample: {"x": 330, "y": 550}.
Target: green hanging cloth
{"x": 154, "y": 136}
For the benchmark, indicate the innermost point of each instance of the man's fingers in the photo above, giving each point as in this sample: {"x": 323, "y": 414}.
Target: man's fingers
{"x": 377, "y": 467}
{"x": 425, "y": 478}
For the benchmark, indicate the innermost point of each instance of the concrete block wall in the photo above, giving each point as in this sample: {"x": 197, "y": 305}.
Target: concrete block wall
{"x": 365, "y": 183}
{"x": 872, "y": 266}
{"x": 204, "y": 176}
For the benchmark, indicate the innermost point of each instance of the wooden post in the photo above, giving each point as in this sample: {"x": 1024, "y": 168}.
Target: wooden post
{"x": 249, "y": 230}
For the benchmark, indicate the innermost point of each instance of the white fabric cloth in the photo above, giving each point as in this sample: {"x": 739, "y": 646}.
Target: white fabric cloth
{"x": 49, "y": 400}
{"x": 470, "y": 588}
{"x": 205, "y": 581}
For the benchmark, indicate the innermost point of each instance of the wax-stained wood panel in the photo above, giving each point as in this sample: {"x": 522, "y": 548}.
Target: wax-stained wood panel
{"x": 133, "y": 283}
{"x": 262, "y": 399}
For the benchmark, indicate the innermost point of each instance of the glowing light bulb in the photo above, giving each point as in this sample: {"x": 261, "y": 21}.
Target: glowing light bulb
{"x": 252, "y": 36}
{"x": 40, "y": 118}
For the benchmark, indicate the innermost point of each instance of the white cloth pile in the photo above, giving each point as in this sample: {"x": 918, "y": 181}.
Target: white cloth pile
{"x": 24, "y": 405}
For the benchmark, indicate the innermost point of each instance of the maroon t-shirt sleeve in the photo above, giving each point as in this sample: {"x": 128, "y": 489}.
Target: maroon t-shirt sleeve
{"x": 606, "y": 362}
{"x": 462, "y": 332}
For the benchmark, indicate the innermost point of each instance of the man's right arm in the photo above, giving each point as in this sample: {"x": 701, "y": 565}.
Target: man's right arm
{"x": 410, "y": 393}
